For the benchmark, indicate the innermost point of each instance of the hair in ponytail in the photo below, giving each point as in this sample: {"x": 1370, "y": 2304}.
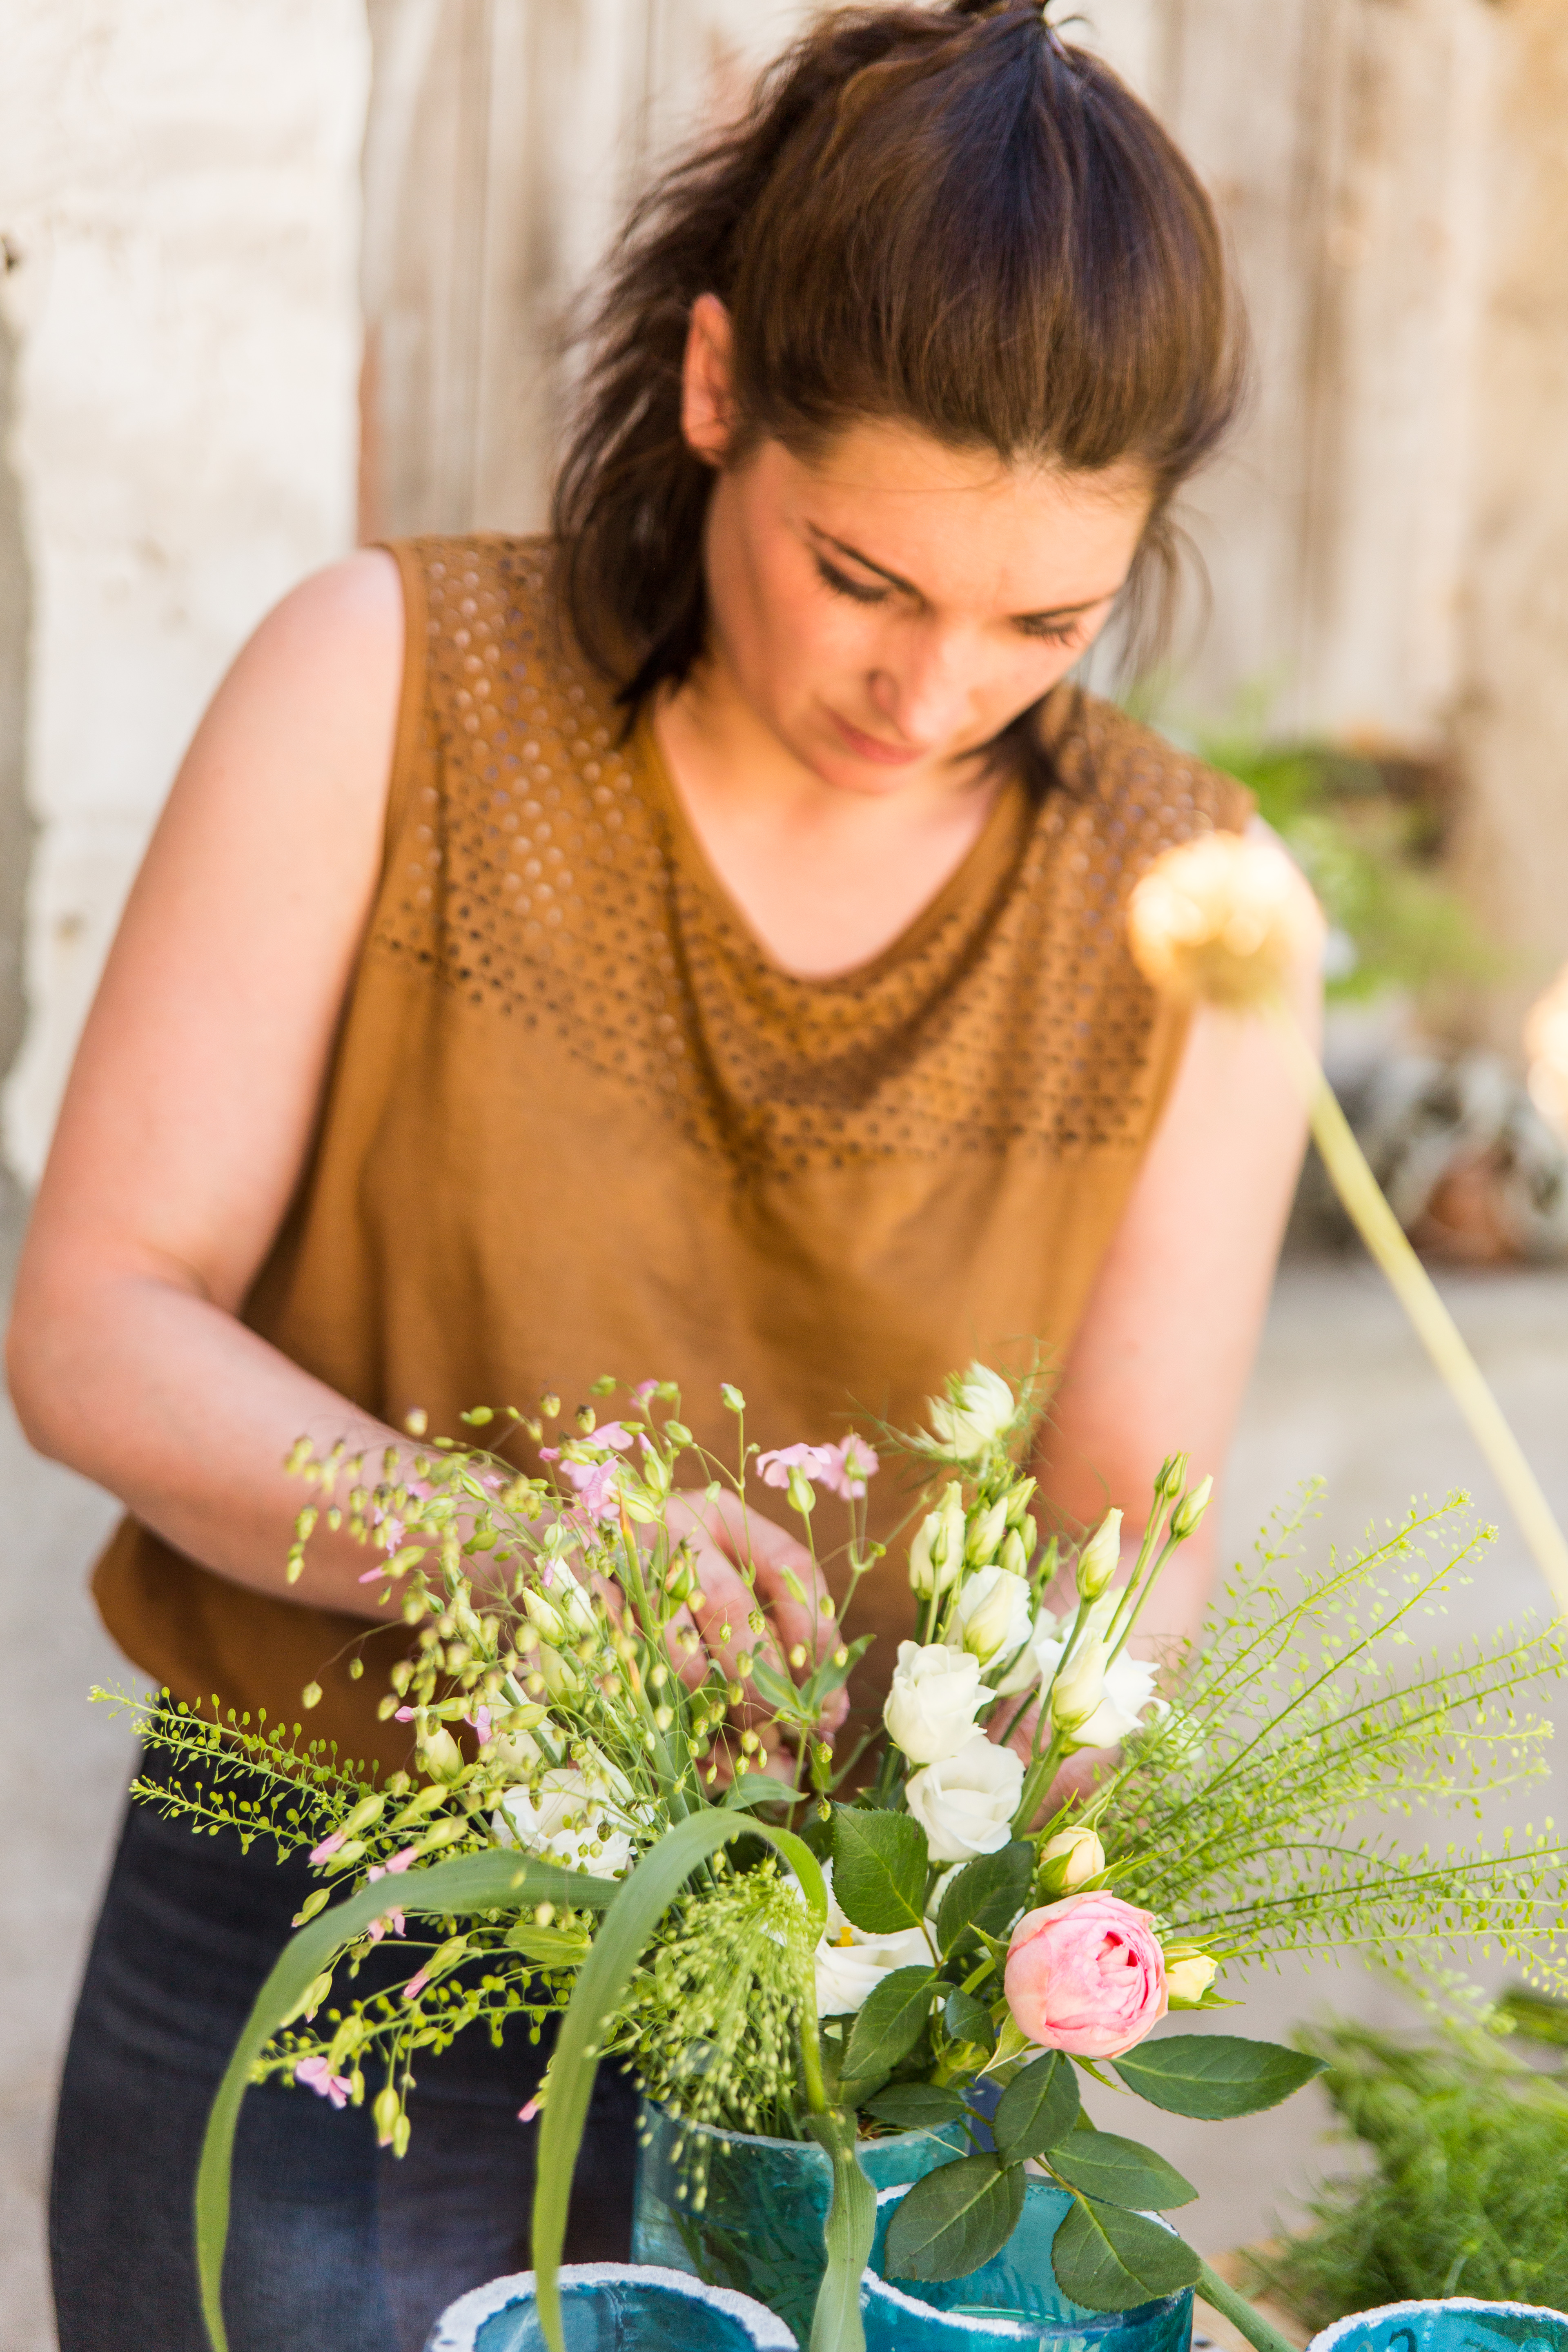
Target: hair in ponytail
{"x": 941, "y": 214}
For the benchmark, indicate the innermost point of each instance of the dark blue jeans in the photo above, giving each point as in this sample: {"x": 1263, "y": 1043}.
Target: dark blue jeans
{"x": 335, "y": 2245}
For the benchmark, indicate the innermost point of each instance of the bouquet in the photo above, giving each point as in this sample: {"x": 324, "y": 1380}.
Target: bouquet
{"x": 653, "y": 1835}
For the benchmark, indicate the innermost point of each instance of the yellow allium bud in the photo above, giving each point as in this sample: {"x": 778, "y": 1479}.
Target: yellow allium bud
{"x": 1223, "y": 919}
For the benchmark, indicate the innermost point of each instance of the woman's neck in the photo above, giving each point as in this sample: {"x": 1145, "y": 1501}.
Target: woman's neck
{"x": 827, "y": 879}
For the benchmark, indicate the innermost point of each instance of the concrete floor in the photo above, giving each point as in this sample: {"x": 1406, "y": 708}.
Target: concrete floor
{"x": 1341, "y": 1390}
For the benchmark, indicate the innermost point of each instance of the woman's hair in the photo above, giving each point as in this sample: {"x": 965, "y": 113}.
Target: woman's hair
{"x": 937, "y": 214}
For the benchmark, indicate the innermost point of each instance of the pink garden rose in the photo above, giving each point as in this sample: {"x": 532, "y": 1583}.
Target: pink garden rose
{"x": 1086, "y": 1974}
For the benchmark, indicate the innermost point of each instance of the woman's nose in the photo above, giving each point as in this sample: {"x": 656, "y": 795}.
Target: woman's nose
{"x": 926, "y": 695}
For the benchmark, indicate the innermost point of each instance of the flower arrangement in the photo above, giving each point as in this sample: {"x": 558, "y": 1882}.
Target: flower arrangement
{"x": 629, "y": 1816}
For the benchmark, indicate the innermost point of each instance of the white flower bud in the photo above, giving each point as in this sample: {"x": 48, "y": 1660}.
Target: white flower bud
{"x": 991, "y": 1616}
{"x": 1076, "y": 1694}
{"x": 1013, "y": 1557}
{"x": 1190, "y": 1510}
{"x": 937, "y": 1551}
{"x": 549, "y": 1622}
{"x": 443, "y": 1756}
{"x": 976, "y": 1411}
{"x": 1070, "y": 1859}
{"x": 931, "y": 1708}
{"x": 1097, "y": 1561}
{"x": 985, "y": 1531}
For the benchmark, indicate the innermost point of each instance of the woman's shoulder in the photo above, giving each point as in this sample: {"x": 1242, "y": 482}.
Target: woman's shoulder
{"x": 1134, "y": 782}
{"x": 484, "y": 613}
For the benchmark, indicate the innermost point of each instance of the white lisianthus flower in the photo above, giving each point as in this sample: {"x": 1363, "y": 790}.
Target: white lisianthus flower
{"x": 850, "y": 1963}
{"x": 978, "y": 1408}
{"x": 930, "y": 1711}
{"x": 991, "y": 1614}
{"x": 569, "y": 1817}
{"x": 966, "y": 1805}
{"x": 1125, "y": 1692}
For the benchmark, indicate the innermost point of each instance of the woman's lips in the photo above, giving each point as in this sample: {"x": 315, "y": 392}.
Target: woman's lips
{"x": 868, "y": 747}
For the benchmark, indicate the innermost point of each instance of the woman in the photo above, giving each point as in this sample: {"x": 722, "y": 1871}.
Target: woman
{"x": 691, "y": 946}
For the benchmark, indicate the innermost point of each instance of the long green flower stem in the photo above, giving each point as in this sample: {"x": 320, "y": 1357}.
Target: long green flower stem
{"x": 1240, "y": 2312}
{"x": 1412, "y": 1285}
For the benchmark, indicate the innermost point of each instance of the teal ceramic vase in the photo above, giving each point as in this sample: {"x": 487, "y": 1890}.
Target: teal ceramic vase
{"x": 612, "y": 2307}
{"x": 1459, "y": 2324}
{"x": 748, "y": 2213}
{"x": 1014, "y": 2301}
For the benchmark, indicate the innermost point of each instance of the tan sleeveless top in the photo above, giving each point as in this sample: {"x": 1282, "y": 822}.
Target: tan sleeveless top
{"x": 577, "y": 1122}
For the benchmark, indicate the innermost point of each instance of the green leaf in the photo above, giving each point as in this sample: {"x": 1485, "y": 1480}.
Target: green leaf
{"x": 889, "y": 2025}
{"x": 749, "y": 1789}
{"x": 1037, "y": 2108}
{"x": 1119, "y": 2172}
{"x": 775, "y": 1688}
{"x": 638, "y": 1903}
{"x": 880, "y": 1864}
{"x": 987, "y": 1893}
{"x": 847, "y": 2233}
{"x": 916, "y": 2106}
{"x": 955, "y": 2219}
{"x": 1215, "y": 2074}
{"x": 968, "y": 2020}
{"x": 1112, "y": 2260}
{"x": 475, "y": 1882}
{"x": 830, "y": 1676}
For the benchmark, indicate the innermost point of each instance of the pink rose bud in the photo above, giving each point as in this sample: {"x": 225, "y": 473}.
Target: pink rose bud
{"x": 1086, "y": 1974}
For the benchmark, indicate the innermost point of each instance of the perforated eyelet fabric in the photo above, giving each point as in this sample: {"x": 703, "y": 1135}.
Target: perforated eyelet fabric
{"x": 541, "y": 872}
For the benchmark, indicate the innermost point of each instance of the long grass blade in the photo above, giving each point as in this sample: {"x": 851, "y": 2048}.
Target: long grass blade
{"x": 473, "y": 1882}
{"x": 639, "y": 1903}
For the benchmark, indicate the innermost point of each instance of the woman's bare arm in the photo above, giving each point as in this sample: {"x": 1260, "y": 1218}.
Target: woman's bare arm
{"x": 196, "y": 1089}
{"x": 1161, "y": 1358}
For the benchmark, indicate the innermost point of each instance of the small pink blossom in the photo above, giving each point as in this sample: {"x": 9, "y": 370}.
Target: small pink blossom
{"x": 390, "y": 1921}
{"x": 643, "y": 1391}
{"x": 392, "y": 1532}
{"x": 399, "y": 1862}
{"x": 406, "y": 1714}
{"x": 597, "y": 1485}
{"x": 323, "y": 2082}
{"x": 1086, "y": 1974}
{"x": 526, "y": 2115}
{"x": 329, "y": 1846}
{"x": 479, "y": 1721}
{"x": 372, "y": 1576}
{"x": 853, "y": 1463}
{"x": 818, "y": 1461}
{"x": 612, "y": 1434}
{"x": 550, "y": 1454}
{"x": 415, "y": 1985}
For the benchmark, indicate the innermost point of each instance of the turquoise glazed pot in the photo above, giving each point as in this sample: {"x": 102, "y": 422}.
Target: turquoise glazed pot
{"x": 612, "y": 2307}
{"x": 1459, "y": 2324}
{"x": 759, "y": 2226}
{"x": 1012, "y": 2301}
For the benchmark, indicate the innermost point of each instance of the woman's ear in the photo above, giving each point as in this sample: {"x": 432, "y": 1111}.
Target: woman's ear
{"x": 707, "y": 384}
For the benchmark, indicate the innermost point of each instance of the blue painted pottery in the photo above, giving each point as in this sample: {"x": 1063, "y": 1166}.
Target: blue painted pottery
{"x": 1012, "y": 2301}
{"x": 612, "y": 2307}
{"x": 1458, "y": 2325}
{"x": 747, "y": 2212}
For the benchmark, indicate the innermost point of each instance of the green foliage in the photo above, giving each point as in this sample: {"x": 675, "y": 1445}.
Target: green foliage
{"x": 880, "y": 1869}
{"x": 1214, "y": 2075}
{"x": 1038, "y": 2107}
{"x": 1467, "y": 2190}
{"x": 1116, "y": 2171}
{"x": 1369, "y": 856}
{"x": 1113, "y": 2261}
{"x": 955, "y": 2219}
{"x": 988, "y": 1894}
{"x": 888, "y": 2027}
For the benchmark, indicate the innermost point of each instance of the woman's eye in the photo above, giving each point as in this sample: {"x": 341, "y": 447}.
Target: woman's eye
{"x": 1051, "y": 632}
{"x": 858, "y": 591}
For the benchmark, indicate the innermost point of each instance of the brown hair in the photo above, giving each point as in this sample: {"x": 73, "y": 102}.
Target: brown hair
{"x": 937, "y": 214}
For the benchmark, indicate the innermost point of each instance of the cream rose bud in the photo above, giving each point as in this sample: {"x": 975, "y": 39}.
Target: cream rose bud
{"x": 966, "y": 1805}
{"x": 974, "y": 1413}
{"x": 1097, "y": 1561}
{"x": 931, "y": 1708}
{"x": 1188, "y": 1975}
{"x": 1070, "y": 1859}
{"x": 990, "y": 1615}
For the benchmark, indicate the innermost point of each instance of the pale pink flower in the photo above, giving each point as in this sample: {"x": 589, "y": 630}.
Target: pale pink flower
{"x": 399, "y": 1862}
{"x": 818, "y": 1463}
{"x": 415, "y": 1985}
{"x": 326, "y": 2084}
{"x": 372, "y": 1576}
{"x": 526, "y": 2115}
{"x": 643, "y": 1391}
{"x": 329, "y": 1846}
{"x": 598, "y": 1486}
{"x": 392, "y": 1532}
{"x": 1086, "y": 1974}
{"x": 479, "y": 1721}
{"x": 390, "y": 1922}
{"x": 852, "y": 1464}
{"x": 614, "y": 1433}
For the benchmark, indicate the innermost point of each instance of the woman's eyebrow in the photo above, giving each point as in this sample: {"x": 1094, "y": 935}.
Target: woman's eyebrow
{"x": 896, "y": 580}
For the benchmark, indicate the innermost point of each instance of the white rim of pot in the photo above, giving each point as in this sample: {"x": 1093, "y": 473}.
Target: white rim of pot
{"x": 1020, "y": 2331}
{"x": 461, "y": 2321}
{"x": 1380, "y": 2311}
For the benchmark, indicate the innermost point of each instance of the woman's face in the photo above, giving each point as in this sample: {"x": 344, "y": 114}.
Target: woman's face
{"x": 889, "y": 604}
